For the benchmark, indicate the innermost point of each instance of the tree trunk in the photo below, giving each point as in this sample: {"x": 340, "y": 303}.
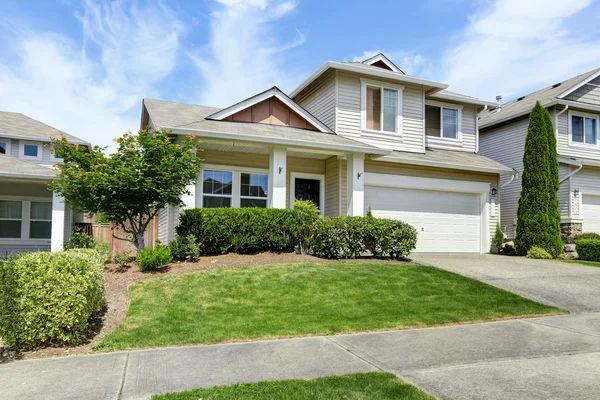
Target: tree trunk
{"x": 139, "y": 238}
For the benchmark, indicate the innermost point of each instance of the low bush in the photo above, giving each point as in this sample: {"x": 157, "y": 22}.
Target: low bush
{"x": 539, "y": 253}
{"x": 588, "y": 249}
{"x": 79, "y": 240}
{"x": 48, "y": 298}
{"x": 349, "y": 237}
{"x": 149, "y": 259}
{"x": 122, "y": 257}
{"x": 241, "y": 230}
{"x": 586, "y": 235}
{"x": 498, "y": 239}
{"x": 308, "y": 215}
{"x": 185, "y": 248}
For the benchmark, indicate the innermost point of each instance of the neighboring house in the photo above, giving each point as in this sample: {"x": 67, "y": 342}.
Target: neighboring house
{"x": 575, "y": 108}
{"x": 353, "y": 136}
{"x": 32, "y": 217}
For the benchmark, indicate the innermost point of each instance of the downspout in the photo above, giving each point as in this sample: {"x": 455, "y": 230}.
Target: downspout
{"x": 570, "y": 174}
{"x": 514, "y": 175}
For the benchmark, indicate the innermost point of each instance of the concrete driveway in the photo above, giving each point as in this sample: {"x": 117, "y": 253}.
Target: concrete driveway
{"x": 573, "y": 287}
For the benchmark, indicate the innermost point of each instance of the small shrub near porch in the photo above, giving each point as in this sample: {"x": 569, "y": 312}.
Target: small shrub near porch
{"x": 588, "y": 249}
{"x": 48, "y": 298}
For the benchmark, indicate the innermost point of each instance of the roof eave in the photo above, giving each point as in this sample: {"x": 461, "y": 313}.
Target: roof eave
{"x": 25, "y": 176}
{"x": 437, "y": 164}
{"x": 462, "y": 99}
{"x": 483, "y": 125}
{"x": 580, "y": 84}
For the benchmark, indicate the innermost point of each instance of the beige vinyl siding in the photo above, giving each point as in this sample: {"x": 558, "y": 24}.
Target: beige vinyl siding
{"x": 563, "y": 139}
{"x": 587, "y": 93}
{"x": 349, "y": 116}
{"x": 236, "y": 159}
{"x": 332, "y": 187}
{"x": 427, "y": 172}
{"x": 506, "y": 144}
{"x": 304, "y": 165}
{"x": 469, "y": 133}
{"x": 319, "y": 99}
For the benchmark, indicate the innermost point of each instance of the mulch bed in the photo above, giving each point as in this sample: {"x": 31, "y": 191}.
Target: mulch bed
{"x": 118, "y": 280}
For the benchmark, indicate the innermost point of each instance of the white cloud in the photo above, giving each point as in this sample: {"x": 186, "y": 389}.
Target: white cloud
{"x": 514, "y": 47}
{"x": 409, "y": 63}
{"x": 243, "y": 56}
{"x": 91, "y": 90}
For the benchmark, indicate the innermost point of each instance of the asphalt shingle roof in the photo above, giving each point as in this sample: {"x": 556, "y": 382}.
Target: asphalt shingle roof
{"x": 21, "y": 168}
{"x": 22, "y": 126}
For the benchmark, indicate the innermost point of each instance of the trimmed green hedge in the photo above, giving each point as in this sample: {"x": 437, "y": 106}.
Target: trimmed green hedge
{"x": 588, "y": 249}
{"x": 349, "y": 237}
{"x": 247, "y": 230}
{"x": 48, "y": 298}
{"x": 586, "y": 235}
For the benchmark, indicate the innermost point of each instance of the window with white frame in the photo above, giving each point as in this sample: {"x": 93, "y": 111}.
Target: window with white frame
{"x": 234, "y": 188}
{"x": 30, "y": 150}
{"x": 381, "y": 107}
{"x": 4, "y": 146}
{"x": 11, "y": 219}
{"x": 442, "y": 121}
{"x": 40, "y": 220}
{"x": 584, "y": 129}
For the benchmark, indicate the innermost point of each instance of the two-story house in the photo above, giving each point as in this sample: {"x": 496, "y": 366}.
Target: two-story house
{"x": 32, "y": 218}
{"x": 353, "y": 136}
{"x": 575, "y": 108}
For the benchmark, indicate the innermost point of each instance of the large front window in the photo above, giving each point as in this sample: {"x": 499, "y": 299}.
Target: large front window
{"x": 584, "y": 129}
{"x": 442, "y": 122}
{"x": 25, "y": 219}
{"x": 40, "y": 220}
{"x": 234, "y": 189}
{"x": 11, "y": 218}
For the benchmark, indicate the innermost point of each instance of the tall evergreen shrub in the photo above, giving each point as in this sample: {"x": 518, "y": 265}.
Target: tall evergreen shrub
{"x": 538, "y": 219}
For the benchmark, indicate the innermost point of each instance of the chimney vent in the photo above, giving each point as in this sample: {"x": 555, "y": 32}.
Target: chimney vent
{"x": 499, "y": 101}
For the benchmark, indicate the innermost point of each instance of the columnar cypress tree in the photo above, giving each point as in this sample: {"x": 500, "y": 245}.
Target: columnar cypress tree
{"x": 554, "y": 240}
{"x": 533, "y": 217}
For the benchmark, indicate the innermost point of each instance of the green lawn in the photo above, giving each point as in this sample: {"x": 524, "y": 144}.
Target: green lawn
{"x": 221, "y": 305}
{"x": 372, "y": 385}
{"x": 588, "y": 263}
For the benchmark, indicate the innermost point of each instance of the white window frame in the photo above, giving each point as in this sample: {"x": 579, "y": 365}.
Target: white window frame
{"x": 317, "y": 177}
{"x": 570, "y": 127}
{"x": 25, "y": 221}
{"x": 22, "y": 155}
{"x": 363, "y": 108}
{"x": 39, "y": 220}
{"x": 7, "y": 141}
{"x": 236, "y": 182}
{"x": 448, "y": 106}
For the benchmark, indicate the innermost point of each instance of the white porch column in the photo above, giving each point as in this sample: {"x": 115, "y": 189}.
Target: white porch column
{"x": 57, "y": 235}
{"x": 356, "y": 185}
{"x": 277, "y": 178}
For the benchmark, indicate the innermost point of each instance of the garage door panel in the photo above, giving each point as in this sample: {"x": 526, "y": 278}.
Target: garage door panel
{"x": 445, "y": 221}
{"x": 591, "y": 213}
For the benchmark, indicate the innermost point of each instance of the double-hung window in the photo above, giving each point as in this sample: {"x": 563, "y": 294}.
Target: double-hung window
{"x": 381, "y": 107}
{"x": 584, "y": 129}
{"x": 234, "y": 188}
{"x": 11, "y": 219}
{"x": 40, "y": 220}
{"x": 443, "y": 121}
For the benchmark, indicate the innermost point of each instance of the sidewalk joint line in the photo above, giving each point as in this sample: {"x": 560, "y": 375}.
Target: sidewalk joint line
{"x": 349, "y": 350}
{"x": 123, "y": 376}
{"x": 561, "y": 328}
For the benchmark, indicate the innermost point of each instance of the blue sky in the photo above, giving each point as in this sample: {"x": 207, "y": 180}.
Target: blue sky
{"x": 84, "y": 66}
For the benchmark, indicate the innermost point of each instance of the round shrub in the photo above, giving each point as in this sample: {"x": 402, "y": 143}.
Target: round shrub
{"x": 539, "y": 253}
{"x": 185, "y": 249}
{"x": 588, "y": 249}
{"x": 149, "y": 259}
{"x": 48, "y": 298}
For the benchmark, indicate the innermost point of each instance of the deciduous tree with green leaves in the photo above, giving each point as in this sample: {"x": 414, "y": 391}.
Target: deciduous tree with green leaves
{"x": 538, "y": 218}
{"x": 147, "y": 172}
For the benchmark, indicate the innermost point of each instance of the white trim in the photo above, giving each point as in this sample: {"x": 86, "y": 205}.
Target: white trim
{"x": 364, "y": 83}
{"x": 8, "y": 145}
{"x": 273, "y": 92}
{"x": 574, "y": 88}
{"x": 301, "y": 175}
{"x": 236, "y": 182}
{"x": 366, "y": 71}
{"x": 22, "y": 155}
{"x": 441, "y": 185}
{"x": 383, "y": 59}
{"x": 459, "y": 123}
{"x": 583, "y": 115}
{"x": 463, "y": 99}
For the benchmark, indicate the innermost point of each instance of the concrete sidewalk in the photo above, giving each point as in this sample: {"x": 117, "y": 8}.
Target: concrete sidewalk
{"x": 539, "y": 358}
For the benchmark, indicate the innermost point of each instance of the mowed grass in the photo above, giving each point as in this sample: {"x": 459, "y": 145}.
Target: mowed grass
{"x": 364, "y": 386}
{"x": 588, "y": 263}
{"x": 305, "y": 299}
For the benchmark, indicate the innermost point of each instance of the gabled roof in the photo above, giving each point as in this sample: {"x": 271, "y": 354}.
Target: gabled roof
{"x": 182, "y": 118}
{"x": 547, "y": 97}
{"x": 380, "y": 60}
{"x": 273, "y": 92}
{"x": 19, "y": 126}
{"x": 13, "y": 167}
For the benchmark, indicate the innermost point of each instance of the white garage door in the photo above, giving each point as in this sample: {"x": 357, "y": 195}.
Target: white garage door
{"x": 591, "y": 213}
{"x": 445, "y": 221}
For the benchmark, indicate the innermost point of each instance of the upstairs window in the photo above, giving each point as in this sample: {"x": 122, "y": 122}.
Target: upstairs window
{"x": 584, "y": 129}
{"x": 381, "y": 107}
{"x": 442, "y": 121}
{"x": 4, "y": 147}
{"x": 30, "y": 150}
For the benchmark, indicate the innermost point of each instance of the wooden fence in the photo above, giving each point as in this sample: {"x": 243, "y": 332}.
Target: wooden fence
{"x": 105, "y": 233}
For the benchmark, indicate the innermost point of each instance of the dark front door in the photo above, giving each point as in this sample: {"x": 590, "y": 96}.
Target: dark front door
{"x": 308, "y": 189}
